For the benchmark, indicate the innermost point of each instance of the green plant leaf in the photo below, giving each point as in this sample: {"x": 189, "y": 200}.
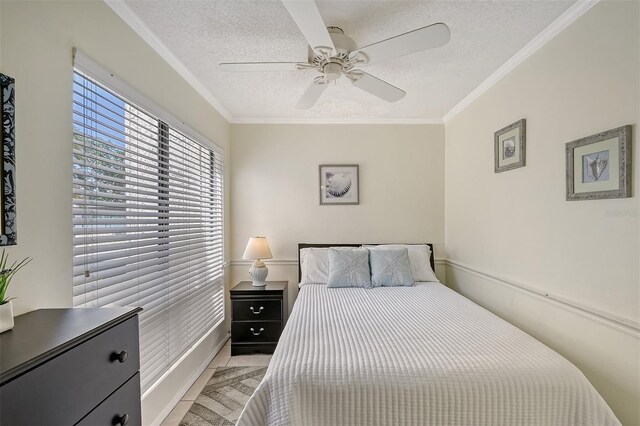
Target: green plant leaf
{"x": 6, "y": 274}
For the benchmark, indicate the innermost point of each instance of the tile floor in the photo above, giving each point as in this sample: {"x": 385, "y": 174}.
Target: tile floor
{"x": 222, "y": 359}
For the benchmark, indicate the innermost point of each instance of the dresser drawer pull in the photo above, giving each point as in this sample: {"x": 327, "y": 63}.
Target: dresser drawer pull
{"x": 121, "y": 420}
{"x": 256, "y": 333}
{"x": 259, "y": 310}
{"x": 120, "y": 357}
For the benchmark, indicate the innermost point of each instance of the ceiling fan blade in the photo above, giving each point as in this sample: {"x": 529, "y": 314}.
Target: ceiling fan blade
{"x": 262, "y": 66}
{"x": 376, "y": 87}
{"x": 311, "y": 95}
{"x": 306, "y": 15}
{"x": 424, "y": 38}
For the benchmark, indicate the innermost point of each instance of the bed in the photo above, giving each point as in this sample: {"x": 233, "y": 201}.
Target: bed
{"x": 421, "y": 355}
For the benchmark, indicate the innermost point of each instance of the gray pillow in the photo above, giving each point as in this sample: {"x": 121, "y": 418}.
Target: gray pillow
{"x": 390, "y": 267}
{"x": 349, "y": 267}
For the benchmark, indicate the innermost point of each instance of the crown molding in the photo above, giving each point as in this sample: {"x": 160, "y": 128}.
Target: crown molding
{"x": 337, "y": 121}
{"x": 567, "y": 18}
{"x": 140, "y": 28}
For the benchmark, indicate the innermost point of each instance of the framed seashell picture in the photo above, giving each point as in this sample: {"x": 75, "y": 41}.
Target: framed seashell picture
{"x": 599, "y": 166}
{"x": 510, "y": 147}
{"x": 339, "y": 184}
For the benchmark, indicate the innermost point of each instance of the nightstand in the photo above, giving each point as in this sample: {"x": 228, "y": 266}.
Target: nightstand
{"x": 258, "y": 315}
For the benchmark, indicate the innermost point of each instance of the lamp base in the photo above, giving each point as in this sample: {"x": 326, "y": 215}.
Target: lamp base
{"x": 258, "y": 273}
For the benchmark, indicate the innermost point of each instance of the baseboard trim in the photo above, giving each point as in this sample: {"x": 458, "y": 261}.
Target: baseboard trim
{"x": 183, "y": 390}
{"x": 612, "y": 320}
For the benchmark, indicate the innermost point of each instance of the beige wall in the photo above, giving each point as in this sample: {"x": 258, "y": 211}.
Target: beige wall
{"x": 517, "y": 227}
{"x": 275, "y": 187}
{"x": 37, "y": 41}
{"x": 514, "y": 225}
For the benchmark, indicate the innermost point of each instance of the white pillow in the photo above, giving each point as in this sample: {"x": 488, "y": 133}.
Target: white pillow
{"x": 419, "y": 258}
{"x": 314, "y": 264}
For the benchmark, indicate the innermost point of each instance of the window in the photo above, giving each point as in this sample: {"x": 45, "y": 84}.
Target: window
{"x": 147, "y": 222}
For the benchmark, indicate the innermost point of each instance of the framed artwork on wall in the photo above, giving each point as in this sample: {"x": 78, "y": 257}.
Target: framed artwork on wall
{"x": 339, "y": 184}
{"x": 510, "y": 147}
{"x": 8, "y": 226}
{"x": 599, "y": 166}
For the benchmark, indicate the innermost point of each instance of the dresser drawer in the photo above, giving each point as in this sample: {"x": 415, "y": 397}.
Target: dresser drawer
{"x": 255, "y": 331}
{"x": 256, "y": 309}
{"x": 64, "y": 389}
{"x": 121, "y": 408}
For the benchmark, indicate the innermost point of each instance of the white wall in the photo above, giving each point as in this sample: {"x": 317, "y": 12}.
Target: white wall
{"x": 275, "y": 186}
{"x": 517, "y": 227}
{"x": 37, "y": 41}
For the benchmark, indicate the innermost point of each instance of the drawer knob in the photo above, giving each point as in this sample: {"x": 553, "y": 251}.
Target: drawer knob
{"x": 256, "y": 333}
{"x": 257, "y": 312}
{"x": 119, "y": 356}
{"x": 121, "y": 420}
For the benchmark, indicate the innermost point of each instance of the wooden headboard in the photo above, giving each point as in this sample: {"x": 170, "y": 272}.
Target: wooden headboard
{"x": 307, "y": 245}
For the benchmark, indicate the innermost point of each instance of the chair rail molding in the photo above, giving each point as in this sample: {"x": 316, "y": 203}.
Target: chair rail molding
{"x": 617, "y": 322}
{"x": 290, "y": 262}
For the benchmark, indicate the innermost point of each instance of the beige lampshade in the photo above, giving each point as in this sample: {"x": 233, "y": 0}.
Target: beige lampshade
{"x": 257, "y": 248}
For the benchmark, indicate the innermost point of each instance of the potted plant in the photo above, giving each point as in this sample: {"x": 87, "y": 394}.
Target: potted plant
{"x": 6, "y": 274}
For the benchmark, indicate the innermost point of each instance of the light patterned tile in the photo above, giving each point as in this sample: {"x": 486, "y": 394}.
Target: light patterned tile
{"x": 198, "y": 385}
{"x": 225, "y": 351}
{"x": 178, "y": 412}
{"x": 221, "y": 358}
{"x": 249, "y": 361}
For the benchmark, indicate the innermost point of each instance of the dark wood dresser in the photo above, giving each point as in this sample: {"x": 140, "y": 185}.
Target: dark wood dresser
{"x": 71, "y": 366}
{"x": 258, "y": 315}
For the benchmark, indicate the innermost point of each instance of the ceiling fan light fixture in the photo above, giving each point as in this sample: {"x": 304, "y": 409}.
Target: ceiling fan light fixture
{"x": 332, "y": 71}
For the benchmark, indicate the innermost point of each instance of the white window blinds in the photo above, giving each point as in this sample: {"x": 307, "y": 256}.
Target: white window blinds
{"x": 147, "y": 222}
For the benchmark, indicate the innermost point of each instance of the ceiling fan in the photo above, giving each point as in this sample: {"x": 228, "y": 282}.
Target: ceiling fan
{"x": 333, "y": 54}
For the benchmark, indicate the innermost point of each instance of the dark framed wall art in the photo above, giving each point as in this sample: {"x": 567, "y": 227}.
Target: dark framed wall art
{"x": 8, "y": 225}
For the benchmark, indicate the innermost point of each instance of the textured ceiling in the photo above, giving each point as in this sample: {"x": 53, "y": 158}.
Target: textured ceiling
{"x": 484, "y": 35}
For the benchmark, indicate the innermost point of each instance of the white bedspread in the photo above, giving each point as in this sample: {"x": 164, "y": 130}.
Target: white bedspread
{"x": 420, "y": 355}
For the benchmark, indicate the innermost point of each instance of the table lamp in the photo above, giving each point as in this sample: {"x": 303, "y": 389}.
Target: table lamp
{"x": 257, "y": 249}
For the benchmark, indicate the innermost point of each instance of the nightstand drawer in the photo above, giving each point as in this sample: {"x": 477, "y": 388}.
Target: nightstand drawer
{"x": 258, "y": 315}
{"x": 256, "y": 309}
{"x": 255, "y": 331}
